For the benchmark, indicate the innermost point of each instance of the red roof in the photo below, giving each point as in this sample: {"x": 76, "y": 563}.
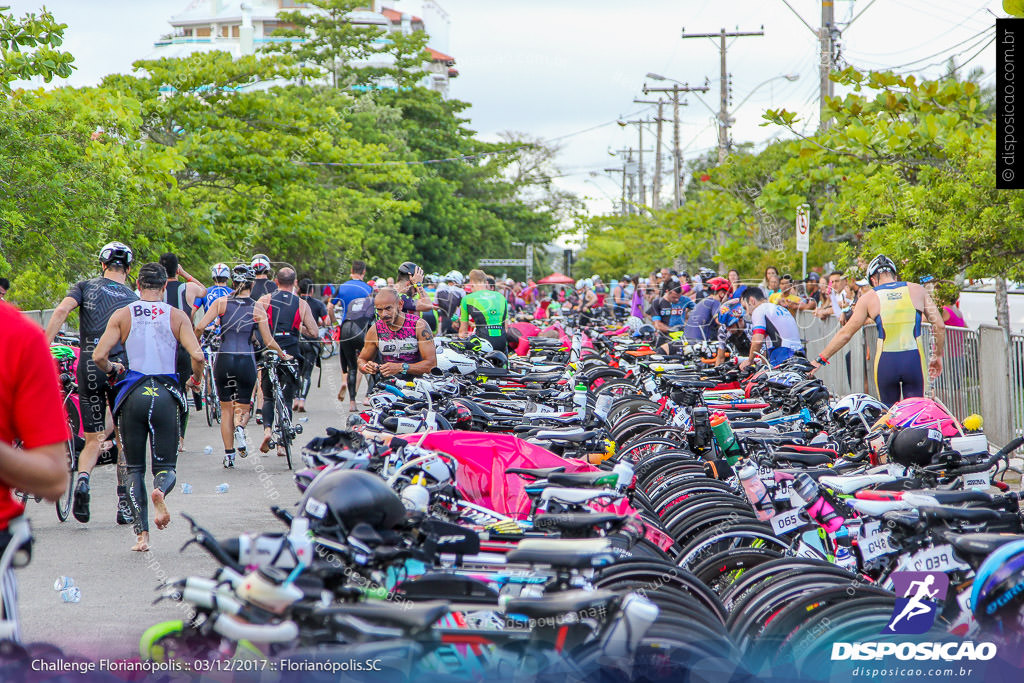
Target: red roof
{"x": 396, "y": 17}
{"x": 436, "y": 56}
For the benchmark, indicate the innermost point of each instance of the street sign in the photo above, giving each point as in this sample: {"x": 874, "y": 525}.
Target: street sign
{"x": 803, "y": 228}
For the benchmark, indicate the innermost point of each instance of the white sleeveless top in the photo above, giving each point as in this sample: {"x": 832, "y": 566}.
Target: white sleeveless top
{"x": 151, "y": 346}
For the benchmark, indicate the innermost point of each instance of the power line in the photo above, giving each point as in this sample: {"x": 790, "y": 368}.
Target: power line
{"x": 941, "y": 52}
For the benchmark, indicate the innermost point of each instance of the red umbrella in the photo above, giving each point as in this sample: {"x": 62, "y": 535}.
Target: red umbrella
{"x": 556, "y": 279}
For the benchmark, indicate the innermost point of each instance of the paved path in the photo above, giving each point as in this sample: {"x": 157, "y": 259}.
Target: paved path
{"x": 117, "y": 584}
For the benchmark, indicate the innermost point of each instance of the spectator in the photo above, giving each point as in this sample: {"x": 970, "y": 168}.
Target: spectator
{"x": 770, "y": 284}
{"x": 786, "y": 296}
{"x": 812, "y": 293}
{"x": 5, "y": 286}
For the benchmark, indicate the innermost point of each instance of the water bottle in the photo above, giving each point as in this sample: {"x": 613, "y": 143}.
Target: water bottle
{"x": 415, "y": 497}
{"x": 757, "y": 494}
{"x": 818, "y": 508}
{"x": 300, "y": 541}
{"x": 604, "y": 404}
{"x": 845, "y": 559}
{"x": 624, "y": 471}
{"x": 71, "y": 594}
{"x": 186, "y": 488}
{"x": 208, "y": 450}
{"x": 222, "y": 488}
{"x": 579, "y": 400}
{"x": 63, "y": 582}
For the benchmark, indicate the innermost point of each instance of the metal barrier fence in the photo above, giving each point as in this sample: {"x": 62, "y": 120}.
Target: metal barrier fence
{"x": 1017, "y": 384}
{"x": 982, "y": 373}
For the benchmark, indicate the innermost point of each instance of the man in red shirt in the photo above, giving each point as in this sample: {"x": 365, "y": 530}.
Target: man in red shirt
{"x": 31, "y": 411}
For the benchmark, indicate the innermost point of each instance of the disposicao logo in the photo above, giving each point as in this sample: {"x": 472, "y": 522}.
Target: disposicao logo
{"x": 922, "y": 595}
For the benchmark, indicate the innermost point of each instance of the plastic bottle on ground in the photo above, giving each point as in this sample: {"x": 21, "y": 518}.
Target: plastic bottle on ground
{"x": 222, "y": 488}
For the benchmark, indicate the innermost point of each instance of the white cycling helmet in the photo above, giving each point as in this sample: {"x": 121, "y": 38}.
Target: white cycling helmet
{"x": 220, "y": 270}
{"x": 260, "y": 263}
{"x": 450, "y": 360}
{"x": 454, "y": 276}
{"x": 859, "y": 405}
{"x": 116, "y": 252}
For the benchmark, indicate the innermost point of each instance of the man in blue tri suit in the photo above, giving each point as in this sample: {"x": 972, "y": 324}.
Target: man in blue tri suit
{"x": 344, "y": 294}
{"x": 220, "y": 274}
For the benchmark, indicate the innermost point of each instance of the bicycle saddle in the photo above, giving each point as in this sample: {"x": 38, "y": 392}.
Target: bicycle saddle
{"x": 571, "y": 479}
{"x": 577, "y": 522}
{"x": 534, "y": 473}
{"x": 976, "y": 547}
{"x": 568, "y": 553}
{"x": 548, "y": 606}
{"x": 412, "y": 617}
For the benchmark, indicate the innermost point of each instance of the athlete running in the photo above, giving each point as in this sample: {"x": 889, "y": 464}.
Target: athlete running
{"x": 897, "y": 308}
{"x": 359, "y": 316}
{"x": 97, "y": 300}
{"x": 149, "y": 405}
{"x": 350, "y": 337}
{"x": 186, "y": 296}
{"x": 289, "y": 317}
{"x": 405, "y": 343}
{"x": 234, "y": 368}
{"x": 487, "y": 309}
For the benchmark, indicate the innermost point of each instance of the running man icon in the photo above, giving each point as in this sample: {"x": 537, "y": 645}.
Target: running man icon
{"x": 922, "y": 594}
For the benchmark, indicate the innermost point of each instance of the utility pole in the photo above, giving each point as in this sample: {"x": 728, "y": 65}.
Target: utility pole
{"x": 639, "y": 123}
{"x": 677, "y": 181}
{"x": 723, "y": 107}
{"x": 656, "y": 185}
{"x": 825, "y": 68}
{"x": 632, "y": 181}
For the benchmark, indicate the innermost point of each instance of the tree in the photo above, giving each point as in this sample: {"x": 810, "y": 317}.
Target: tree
{"x": 28, "y": 48}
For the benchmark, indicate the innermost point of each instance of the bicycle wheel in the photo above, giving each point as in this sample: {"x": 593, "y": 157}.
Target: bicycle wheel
{"x": 283, "y": 427}
{"x": 63, "y": 503}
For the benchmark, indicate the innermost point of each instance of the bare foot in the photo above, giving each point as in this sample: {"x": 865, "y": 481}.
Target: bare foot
{"x": 265, "y": 445}
{"x": 352, "y": 407}
{"x": 141, "y": 542}
{"x": 162, "y": 517}
{"x": 341, "y": 394}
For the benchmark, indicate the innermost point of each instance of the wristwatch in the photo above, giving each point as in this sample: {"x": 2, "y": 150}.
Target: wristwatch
{"x": 405, "y": 367}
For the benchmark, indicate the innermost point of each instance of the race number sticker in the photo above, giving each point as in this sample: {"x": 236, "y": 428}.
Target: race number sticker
{"x": 874, "y": 541}
{"x": 782, "y": 490}
{"x": 979, "y": 481}
{"x": 767, "y": 475}
{"x": 937, "y": 559}
{"x": 785, "y": 522}
{"x": 316, "y": 508}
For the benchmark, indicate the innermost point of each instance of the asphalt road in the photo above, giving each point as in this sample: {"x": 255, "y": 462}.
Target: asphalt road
{"x": 118, "y": 585}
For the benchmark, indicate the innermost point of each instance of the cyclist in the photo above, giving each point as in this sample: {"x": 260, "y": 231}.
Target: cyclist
{"x": 487, "y": 309}
{"x": 897, "y": 308}
{"x": 309, "y": 348}
{"x": 771, "y": 326}
{"x": 149, "y": 405}
{"x": 221, "y": 275}
{"x": 405, "y": 343}
{"x": 32, "y": 413}
{"x": 263, "y": 284}
{"x": 702, "y": 323}
{"x": 668, "y": 312}
{"x": 289, "y": 316}
{"x": 186, "y": 297}
{"x": 234, "y": 368}
{"x": 732, "y": 331}
{"x": 97, "y": 300}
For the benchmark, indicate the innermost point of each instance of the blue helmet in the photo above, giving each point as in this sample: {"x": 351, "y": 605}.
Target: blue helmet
{"x": 731, "y": 312}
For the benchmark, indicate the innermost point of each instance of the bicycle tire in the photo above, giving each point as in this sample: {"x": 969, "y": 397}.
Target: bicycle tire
{"x": 283, "y": 427}
{"x": 63, "y": 504}
{"x": 716, "y": 568}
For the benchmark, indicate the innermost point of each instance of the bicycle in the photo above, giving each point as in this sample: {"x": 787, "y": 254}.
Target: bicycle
{"x": 66, "y": 360}
{"x": 284, "y": 431}
{"x": 328, "y": 342}
{"x": 211, "y": 344}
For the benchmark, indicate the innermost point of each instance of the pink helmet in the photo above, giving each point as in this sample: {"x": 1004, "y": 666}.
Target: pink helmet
{"x": 923, "y": 412}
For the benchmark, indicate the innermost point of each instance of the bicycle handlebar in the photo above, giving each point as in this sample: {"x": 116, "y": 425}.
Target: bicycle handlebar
{"x": 988, "y": 463}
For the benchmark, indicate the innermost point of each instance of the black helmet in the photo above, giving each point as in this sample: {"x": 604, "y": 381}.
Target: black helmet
{"x": 116, "y": 252}
{"x": 879, "y": 264}
{"x": 243, "y": 273}
{"x": 338, "y": 500}
{"x": 497, "y": 359}
{"x": 914, "y": 446}
{"x": 407, "y": 268}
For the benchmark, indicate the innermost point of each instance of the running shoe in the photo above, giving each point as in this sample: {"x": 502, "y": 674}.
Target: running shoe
{"x": 80, "y": 504}
{"x": 229, "y": 462}
{"x": 240, "y": 444}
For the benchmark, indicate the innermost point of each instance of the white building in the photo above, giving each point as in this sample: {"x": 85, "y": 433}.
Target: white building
{"x": 241, "y": 27}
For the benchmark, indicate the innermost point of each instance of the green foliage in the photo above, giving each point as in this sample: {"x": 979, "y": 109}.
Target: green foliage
{"x": 217, "y": 158}
{"x": 28, "y": 47}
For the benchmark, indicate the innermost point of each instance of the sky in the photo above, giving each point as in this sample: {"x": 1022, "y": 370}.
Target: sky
{"x": 566, "y": 70}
